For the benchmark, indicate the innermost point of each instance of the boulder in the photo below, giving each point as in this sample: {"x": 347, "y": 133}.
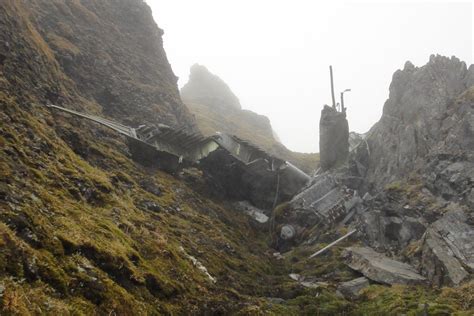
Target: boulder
{"x": 379, "y": 268}
{"x": 448, "y": 249}
{"x": 352, "y": 289}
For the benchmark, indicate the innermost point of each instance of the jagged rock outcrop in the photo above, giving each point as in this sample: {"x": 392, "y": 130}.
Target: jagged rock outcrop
{"x": 333, "y": 138}
{"x": 422, "y": 118}
{"x": 205, "y": 87}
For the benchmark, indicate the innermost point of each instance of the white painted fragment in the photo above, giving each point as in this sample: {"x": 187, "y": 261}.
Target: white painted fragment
{"x": 198, "y": 265}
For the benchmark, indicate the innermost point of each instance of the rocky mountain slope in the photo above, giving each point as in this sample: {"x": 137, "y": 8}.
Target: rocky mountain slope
{"x": 218, "y": 109}
{"x": 85, "y": 230}
{"x": 405, "y": 192}
{"x": 426, "y": 115}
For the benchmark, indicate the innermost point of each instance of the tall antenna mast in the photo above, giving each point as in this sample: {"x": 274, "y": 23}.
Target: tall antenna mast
{"x": 332, "y": 88}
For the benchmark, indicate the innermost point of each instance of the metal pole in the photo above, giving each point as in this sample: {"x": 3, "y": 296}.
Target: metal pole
{"x": 332, "y": 244}
{"x": 332, "y": 89}
{"x": 342, "y": 102}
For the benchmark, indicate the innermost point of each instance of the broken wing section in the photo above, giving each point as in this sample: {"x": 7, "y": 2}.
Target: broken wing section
{"x": 243, "y": 170}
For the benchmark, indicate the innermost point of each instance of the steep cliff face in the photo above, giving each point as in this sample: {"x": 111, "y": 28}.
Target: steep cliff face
{"x": 217, "y": 109}
{"x": 425, "y": 115}
{"x": 113, "y": 54}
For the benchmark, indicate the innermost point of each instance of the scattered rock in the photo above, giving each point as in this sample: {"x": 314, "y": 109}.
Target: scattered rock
{"x": 351, "y": 289}
{"x": 150, "y": 206}
{"x": 294, "y": 276}
{"x": 278, "y": 256}
{"x": 380, "y": 268}
{"x": 312, "y": 285}
{"x": 150, "y": 186}
{"x": 307, "y": 282}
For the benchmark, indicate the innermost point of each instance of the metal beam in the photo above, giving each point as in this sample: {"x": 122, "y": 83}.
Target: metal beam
{"x": 332, "y": 244}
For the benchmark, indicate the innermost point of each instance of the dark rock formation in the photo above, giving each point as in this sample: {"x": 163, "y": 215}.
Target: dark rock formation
{"x": 390, "y": 222}
{"x": 424, "y": 116}
{"x": 333, "y": 138}
{"x": 113, "y": 53}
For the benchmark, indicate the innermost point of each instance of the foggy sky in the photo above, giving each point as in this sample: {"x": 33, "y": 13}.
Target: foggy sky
{"x": 275, "y": 54}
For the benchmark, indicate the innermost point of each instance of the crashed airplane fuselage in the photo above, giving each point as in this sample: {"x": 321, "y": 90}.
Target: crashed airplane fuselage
{"x": 244, "y": 170}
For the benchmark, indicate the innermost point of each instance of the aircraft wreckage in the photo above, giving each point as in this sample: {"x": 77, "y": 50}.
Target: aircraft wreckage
{"x": 244, "y": 170}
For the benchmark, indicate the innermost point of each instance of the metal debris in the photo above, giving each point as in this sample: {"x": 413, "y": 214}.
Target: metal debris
{"x": 171, "y": 149}
{"x": 332, "y": 244}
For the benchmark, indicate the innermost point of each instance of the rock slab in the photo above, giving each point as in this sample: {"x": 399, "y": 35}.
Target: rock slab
{"x": 379, "y": 268}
